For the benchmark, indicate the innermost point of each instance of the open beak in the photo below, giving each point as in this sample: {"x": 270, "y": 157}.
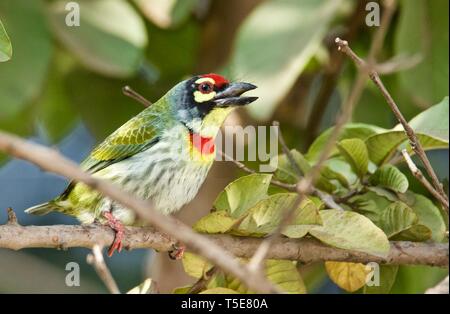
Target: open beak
{"x": 231, "y": 96}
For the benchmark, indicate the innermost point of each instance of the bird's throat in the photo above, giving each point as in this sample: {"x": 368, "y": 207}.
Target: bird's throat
{"x": 204, "y": 145}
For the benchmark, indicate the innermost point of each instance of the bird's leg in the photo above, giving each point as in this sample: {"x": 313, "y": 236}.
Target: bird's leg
{"x": 119, "y": 230}
{"x": 177, "y": 251}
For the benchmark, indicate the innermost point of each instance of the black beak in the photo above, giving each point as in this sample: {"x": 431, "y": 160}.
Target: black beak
{"x": 231, "y": 95}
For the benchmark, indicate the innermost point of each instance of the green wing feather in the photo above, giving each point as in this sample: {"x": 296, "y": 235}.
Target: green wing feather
{"x": 131, "y": 138}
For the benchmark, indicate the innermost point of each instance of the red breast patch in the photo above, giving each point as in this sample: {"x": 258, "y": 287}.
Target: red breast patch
{"x": 218, "y": 79}
{"x": 205, "y": 145}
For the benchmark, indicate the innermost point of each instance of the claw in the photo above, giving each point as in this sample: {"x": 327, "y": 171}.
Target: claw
{"x": 177, "y": 252}
{"x": 119, "y": 230}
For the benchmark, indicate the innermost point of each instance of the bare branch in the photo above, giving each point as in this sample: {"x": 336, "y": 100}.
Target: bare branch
{"x": 52, "y": 161}
{"x": 414, "y": 141}
{"x": 304, "y": 250}
{"x": 419, "y": 176}
{"x": 96, "y": 260}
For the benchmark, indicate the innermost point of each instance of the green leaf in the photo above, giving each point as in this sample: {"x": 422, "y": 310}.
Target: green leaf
{"x": 55, "y": 112}
{"x": 429, "y": 215}
{"x": 416, "y": 279}
{"x": 219, "y": 290}
{"x": 371, "y": 205}
{"x": 355, "y": 151}
{"x": 194, "y": 265}
{"x": 417, "y": 233}
{"x": 5, "y": 45}
{"x": 336, "y": 169}
{"x": 92, "y": 103}
{"x": 146, "y": 287}
{"x": 292, "y": 24}
{"x": 348, "y": 276}
{"x": 390, "y": 177}
{"x": 433, "y": 121}
{"x": 304, "y": 219}
{"x": 352, "y": 231}
{"x": 382, "y": 146}
{"x": 388, "y": 274}
{"x": 215, "y": 222}
{"x": 99, "y": 42}
{"x": 264, "y": 217}
{"x": 22, "y": 77}
{"x": 286, "y": 173}
{"x": 430, "y": 125}
{"x": 396, "y": 218}
{"x": 352, "y": 130}
{"x": 243, "y": 193}
{"x": 423, "y": 30}
{"x": 282, "y": 273}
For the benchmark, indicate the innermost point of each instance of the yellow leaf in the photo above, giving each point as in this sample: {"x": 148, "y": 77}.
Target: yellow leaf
{"x": 348, "y": 276}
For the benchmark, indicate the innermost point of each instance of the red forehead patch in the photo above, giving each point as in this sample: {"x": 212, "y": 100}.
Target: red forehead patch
{"x": 219, "y": 79}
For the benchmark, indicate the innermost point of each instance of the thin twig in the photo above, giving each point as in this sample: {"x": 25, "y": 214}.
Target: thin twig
{"x": 52, "y": 161}
{"x": 128, "y": 91}
{"x": 419, "y": 176}
{"x": 96, "y": 260}
{"x": 287, "y": 151}
{"x": 240, "y": 165}
{"x": 203, "y": 282}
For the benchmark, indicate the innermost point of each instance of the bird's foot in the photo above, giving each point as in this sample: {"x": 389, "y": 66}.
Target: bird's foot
{"x": 119, "y": 230}
{"x": 177, "y": 251}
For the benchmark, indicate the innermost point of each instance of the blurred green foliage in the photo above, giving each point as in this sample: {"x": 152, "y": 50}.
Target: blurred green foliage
{"x": 54, "y": 76}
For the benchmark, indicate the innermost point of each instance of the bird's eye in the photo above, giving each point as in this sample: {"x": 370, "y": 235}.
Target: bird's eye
{"x": 205, "y": 87}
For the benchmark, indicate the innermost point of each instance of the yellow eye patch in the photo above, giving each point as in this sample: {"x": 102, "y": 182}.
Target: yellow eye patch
{"x": 202, "y": 97}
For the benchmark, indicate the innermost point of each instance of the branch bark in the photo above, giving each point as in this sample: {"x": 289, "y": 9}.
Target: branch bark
{"x": 305, "y": 250}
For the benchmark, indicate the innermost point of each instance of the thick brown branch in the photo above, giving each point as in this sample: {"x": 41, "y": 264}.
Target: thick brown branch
{"x": 304, "y": 250}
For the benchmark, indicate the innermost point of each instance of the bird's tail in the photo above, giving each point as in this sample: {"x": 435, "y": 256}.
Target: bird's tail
{"x": 42, "y": 209}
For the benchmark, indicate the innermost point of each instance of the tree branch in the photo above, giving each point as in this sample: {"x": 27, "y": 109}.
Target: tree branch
{"x": 305, "y": 250}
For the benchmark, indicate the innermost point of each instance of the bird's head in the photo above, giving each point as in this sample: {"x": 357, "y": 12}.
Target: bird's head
{"x": 202, "y": 102}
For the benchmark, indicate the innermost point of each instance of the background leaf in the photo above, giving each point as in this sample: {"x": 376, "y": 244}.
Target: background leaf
{"x": 351, "y": 130}
{"x": 423, "y": 30}
{"x": 22, "y": 77}
{"x": 388, "y": 274}
{"x": 100, "y": 43}
{"x": 355, "y": 151}
{"x": 283, "y": 23}
{"x": 5, "y": 44}
{"x": 396, "y": 218}
{"x": 390, "y": 177}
